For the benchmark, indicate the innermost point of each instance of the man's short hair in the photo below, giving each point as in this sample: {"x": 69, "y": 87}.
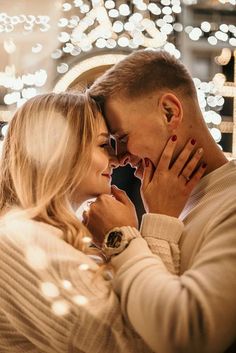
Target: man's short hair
{"x": 141, "y": 73}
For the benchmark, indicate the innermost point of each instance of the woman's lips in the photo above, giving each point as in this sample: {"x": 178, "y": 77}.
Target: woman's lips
{"x": 107, "y": 176}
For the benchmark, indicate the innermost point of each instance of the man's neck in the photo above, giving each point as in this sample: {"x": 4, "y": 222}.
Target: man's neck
{"x": 213, "y": 156}
{"x": 196, "y": 128}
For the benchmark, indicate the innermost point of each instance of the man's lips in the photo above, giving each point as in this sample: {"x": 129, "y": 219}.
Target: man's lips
{"x": 137, "y": 165}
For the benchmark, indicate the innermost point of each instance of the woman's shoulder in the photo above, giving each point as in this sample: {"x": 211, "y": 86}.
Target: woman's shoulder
{"x": 36, "y": 239}
{"x": 17, "y": 224}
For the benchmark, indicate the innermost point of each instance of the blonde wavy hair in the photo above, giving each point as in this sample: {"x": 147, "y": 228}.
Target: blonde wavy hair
{"x": 46, "y": 153}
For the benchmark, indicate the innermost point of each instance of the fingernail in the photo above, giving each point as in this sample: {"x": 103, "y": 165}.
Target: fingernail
{"x": 204, "y": 165}
{"x": 146, "y": 160}
{"x": 174, "y": 138}
{"x": 193, "y": 141}
{"x": 200, "y": 150}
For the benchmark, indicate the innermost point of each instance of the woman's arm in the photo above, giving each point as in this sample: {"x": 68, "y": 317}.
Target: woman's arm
{"x": 54, "y": 299}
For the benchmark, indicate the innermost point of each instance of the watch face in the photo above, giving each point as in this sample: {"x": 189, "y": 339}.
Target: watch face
{"x": 114, "y": 239}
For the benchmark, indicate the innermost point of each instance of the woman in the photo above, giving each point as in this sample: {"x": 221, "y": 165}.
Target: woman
{"x": 54, "y": 298}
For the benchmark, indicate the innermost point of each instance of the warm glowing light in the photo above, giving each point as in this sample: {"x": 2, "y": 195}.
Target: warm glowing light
{"x": 49, "y": 290}
{"x": 206, "y": 26}
{"x": 60, "y": 307}
{"x": 212, "y": 40}
{"x": 36, "y": 257}
{"x": 88, "y": 64}
{"x": 224, "y": 57}
{"x": 66, "y": 284}
{"x": 83, "y": 267}
{"x": 86, "y": 240}
{"x": 216, "y": 134}
{"x": 108, "y": 25}
{"x": 62, "y": 68}
{"x": 124, "y": 10}
{"x": 80, "y": 300}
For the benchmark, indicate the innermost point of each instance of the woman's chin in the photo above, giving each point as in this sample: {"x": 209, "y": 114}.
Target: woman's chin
{"x": 106, "y": 190}
{"x": 102, "y": 191}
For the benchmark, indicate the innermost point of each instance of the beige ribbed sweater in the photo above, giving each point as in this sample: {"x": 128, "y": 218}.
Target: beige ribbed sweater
{"x": 50, "y": 299}
{"x": 195, "y": 312}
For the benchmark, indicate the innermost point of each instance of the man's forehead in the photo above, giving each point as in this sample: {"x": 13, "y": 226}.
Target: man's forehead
{"x": 114, "y": 104}
{"x": 114, "y": 129}
{"x": 117, "y": 133}
{"x": 116, "y": 120}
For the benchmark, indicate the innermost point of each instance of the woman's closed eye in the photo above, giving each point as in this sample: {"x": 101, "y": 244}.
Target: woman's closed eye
{"x": 105, "y": 143}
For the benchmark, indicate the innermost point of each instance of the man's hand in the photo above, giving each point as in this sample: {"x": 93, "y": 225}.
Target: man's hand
{"x": 166, "y": 189}
{"x": 108, "y": 212}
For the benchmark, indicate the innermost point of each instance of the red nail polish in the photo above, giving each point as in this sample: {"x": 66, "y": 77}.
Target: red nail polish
{"x": 193, "y": 141}
{"x": 174, "y": 138}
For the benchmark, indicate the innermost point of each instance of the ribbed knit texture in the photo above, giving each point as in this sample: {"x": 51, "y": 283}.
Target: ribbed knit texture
{"x": 89, "y": 318}
{"x": 162, "y": 233}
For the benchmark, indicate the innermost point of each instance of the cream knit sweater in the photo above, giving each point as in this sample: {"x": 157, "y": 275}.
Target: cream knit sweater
{"x": 52, "y": 299}
{"x": 196, "y": 311}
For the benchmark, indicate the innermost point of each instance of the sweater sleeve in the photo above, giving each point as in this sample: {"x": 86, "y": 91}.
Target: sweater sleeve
{"x": 183, "y": 314}
{"x": 162, "y": 233}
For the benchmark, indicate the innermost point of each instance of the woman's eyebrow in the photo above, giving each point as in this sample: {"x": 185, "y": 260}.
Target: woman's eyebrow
{"x": 104, "y": 134}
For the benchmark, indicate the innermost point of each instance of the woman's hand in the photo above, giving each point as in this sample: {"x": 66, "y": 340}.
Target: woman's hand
{"x": 166, "y": 189}
{"x": 108, "y": 212}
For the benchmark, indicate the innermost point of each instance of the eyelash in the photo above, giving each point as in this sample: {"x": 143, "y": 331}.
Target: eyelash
{"x": 105, "y": 145}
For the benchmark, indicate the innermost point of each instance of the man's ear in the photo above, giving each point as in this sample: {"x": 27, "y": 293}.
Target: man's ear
{"x": 172, "y": 110}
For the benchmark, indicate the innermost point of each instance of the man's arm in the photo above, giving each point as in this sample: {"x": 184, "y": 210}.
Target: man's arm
{"x": 195, "y": 312}
{"x": 162, "y": 233}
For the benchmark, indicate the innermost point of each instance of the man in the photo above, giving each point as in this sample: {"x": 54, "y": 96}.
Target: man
{"x": 147, "y": 98}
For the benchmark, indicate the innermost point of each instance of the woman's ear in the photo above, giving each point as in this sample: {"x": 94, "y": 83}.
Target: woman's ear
{"x": 172, "y": 110}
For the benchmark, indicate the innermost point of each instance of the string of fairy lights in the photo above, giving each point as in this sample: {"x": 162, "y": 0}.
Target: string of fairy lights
{"x": 87, "y": 26}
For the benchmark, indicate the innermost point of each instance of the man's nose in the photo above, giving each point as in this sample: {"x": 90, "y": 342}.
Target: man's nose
{"x": 113, "y": 160}
{"x": 122, "y": 154}
{"x": 124, "y": 159}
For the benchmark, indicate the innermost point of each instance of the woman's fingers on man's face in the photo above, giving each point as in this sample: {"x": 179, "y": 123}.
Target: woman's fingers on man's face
{"x": 191, "y": 165}
{"x": 187, "y": 160}
{"x": 167, "y": 154}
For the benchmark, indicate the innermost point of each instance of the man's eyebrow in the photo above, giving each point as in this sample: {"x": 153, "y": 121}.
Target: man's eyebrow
{"x": 118, "y": 133}
{"x": 113, "y": 132}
